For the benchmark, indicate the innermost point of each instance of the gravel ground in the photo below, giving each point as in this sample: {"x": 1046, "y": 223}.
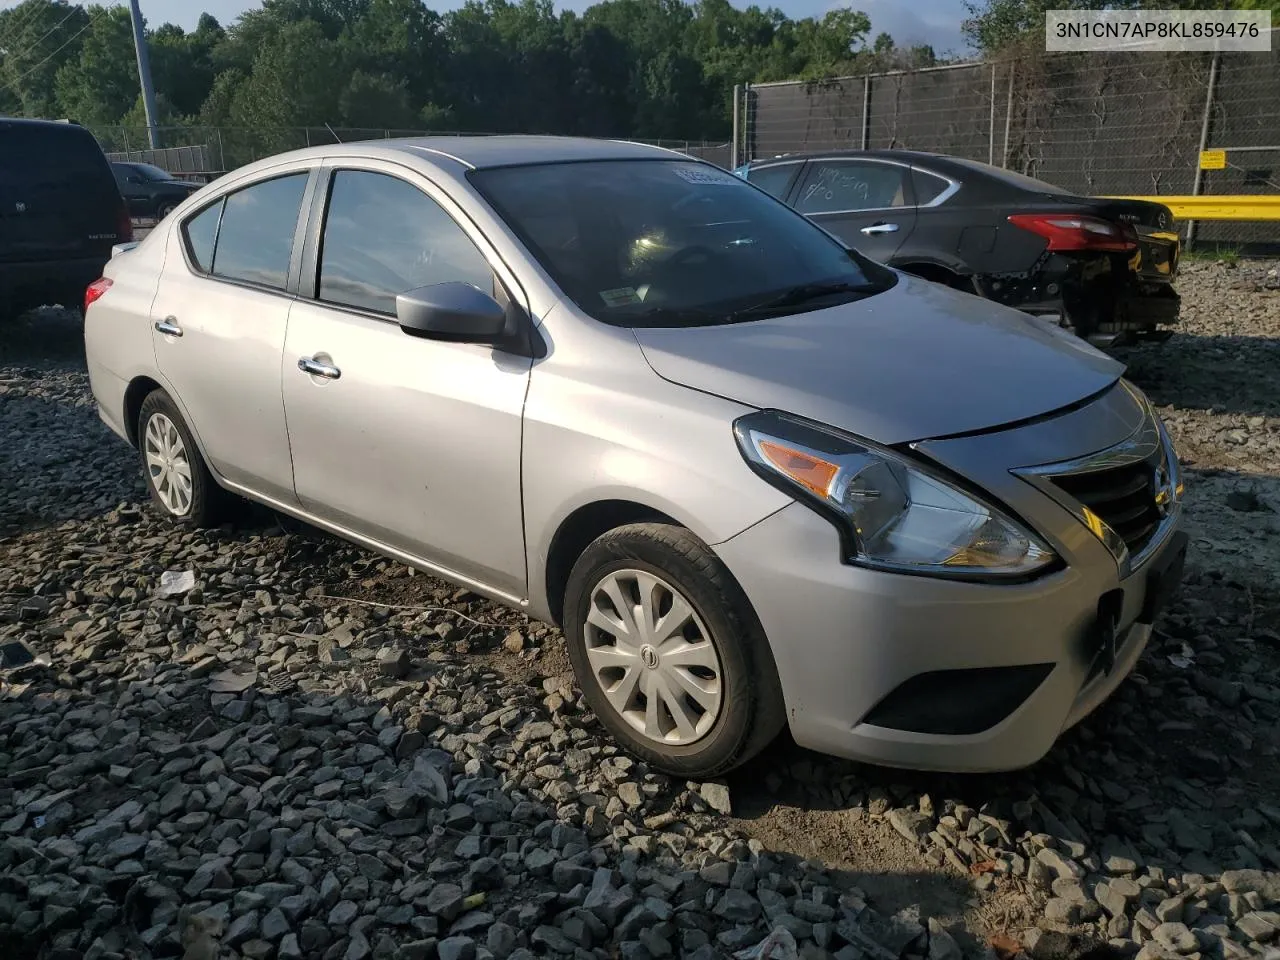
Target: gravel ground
{"x": 315, "y": 753}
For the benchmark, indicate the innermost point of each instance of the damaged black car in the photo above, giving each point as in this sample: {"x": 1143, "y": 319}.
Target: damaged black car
{"x": 1102, "y": 268}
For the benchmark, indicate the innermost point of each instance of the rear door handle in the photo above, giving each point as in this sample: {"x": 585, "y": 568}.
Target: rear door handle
{"x": 876, "y": 228}
{"x": 318, "y": 369}
{"x": 169, "y": 327}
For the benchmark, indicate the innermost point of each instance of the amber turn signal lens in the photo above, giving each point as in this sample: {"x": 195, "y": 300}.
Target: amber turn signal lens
{"x": 810, "y": 472}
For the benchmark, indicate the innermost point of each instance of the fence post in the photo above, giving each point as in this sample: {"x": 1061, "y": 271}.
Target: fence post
{"x": 991, "y": 123}
{"x": 737, "y": 126}
{"x": 1210, "y": 91}
{"x": 866, "y": 111}
{"x": 748, "y": 126}
{"x": 1008, "y": 115}
{"x": 222, "y": 152}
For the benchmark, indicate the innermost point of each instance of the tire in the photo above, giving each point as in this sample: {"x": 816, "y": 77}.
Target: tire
{"x": 662, "y": 560}
{"x": 163, "y": 435}
{"x": 165, "y": 209}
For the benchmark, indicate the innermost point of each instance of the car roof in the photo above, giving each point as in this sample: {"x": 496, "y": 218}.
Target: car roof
{"x": 499, "y": 150}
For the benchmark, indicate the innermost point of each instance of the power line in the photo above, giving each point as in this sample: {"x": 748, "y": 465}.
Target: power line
{"x": 31, "y": 49}
{"x": 93, "y": 18}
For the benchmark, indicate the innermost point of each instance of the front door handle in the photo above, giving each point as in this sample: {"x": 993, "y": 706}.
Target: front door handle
{"x": 318, "y": 369}
{"x": 169, "y": 327}
{"x": 876, "y": 228}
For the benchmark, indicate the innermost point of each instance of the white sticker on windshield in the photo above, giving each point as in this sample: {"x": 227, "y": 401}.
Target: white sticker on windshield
{"x": 704, "y": 175}
{"x": 620, "y": 296}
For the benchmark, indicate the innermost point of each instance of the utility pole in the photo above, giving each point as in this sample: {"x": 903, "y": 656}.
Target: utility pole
{"x": 144, "y": 74}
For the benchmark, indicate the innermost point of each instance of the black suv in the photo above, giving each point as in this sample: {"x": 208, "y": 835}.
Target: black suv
{"x": 60, "y": 214}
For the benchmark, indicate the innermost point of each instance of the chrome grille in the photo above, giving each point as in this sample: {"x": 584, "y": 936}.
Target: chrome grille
{"x": 1124, "y": 497}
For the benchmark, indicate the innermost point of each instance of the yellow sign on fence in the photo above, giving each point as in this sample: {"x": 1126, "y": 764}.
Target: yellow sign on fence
{"x": 1213, "y": 159}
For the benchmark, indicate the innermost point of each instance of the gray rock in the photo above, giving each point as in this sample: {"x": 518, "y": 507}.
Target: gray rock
{"x": 942, "y": 946}
{"x": 717, "y": 797}
{"x": 737, "y": 906}
{"x": 445, "y": 901}
{"x": 911, "y": 824}
{"x": 456, "y": 948}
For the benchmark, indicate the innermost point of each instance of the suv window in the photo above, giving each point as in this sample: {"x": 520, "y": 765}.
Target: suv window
{"x": 836, "y": 185}
{"x": 774, "y": 180}
{"x": 383, "y": 236}
{"x": 255, "y": 238}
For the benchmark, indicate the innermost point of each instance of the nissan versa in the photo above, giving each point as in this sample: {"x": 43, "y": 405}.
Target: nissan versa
{"x": 759, "y": 480}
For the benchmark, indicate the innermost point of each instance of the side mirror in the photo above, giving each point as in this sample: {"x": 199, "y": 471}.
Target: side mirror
{"x": 451, "y": 311}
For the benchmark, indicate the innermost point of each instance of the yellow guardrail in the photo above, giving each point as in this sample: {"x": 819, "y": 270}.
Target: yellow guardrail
{"x": 1241, "y": 207}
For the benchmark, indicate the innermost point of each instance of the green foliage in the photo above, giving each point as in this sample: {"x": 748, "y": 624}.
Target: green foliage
{"x": 642, "y": 68}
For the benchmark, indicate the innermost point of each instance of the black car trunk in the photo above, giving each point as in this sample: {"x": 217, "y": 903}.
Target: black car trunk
{"x": 58, "y": 198}
{"x": 1158, "y": 239}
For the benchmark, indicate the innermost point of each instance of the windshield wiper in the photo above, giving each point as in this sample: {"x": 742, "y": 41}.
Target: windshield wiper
{"x": 802, "y": 294}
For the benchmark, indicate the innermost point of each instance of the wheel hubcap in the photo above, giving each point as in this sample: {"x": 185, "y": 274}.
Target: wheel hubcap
{"x": 653, "y": 657}
{"x": 168, "y": 467}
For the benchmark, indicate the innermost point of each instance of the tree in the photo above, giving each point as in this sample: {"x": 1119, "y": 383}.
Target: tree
{"x": 101, "y": 85}
{"x": 36, "y": 38}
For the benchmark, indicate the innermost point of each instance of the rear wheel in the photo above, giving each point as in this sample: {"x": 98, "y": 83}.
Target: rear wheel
{"x": 179, "y": 482}
{"x": 166, "y": 207}
{"x": 668, "y": 652}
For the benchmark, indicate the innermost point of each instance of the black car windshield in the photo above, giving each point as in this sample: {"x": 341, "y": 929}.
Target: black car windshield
{"x": 673, "y": 242}
{"x": 150, "y": 172}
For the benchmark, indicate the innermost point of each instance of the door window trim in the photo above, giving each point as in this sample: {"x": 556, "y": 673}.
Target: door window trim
{"x": 313, "y": 222}
{"x": 309, "y": 266}
{"x": 953, "y": 185}
{"x": 908, "y": 190}
{"x": 290, "y": 289}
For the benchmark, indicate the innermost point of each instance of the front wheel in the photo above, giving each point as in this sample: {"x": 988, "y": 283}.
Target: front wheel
{"x": 668, "y": 652}
{"x": 177, "y": 478}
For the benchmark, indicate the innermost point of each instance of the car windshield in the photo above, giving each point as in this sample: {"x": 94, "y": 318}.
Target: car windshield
{"x": 150, "y": 172}
{"x": 673, "y": 243}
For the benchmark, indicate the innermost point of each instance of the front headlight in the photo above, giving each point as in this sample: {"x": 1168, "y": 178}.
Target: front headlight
{"x": 893, "y": 514}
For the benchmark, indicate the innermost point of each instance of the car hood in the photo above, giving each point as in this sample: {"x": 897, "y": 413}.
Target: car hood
{"x": 916, "y": 362}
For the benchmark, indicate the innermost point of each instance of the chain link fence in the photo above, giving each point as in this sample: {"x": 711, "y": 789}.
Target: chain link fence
{"x": 207, "y": 152}
{"x": 1123, "y": 123}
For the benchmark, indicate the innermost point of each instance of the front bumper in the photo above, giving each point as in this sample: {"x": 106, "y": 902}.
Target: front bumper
{"x": 861, "y": 654}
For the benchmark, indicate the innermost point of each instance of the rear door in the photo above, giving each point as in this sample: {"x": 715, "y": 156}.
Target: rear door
{"x": 867, "y": 203}
{"x": 58, "y": 198}
{"x": 219, "y": 320}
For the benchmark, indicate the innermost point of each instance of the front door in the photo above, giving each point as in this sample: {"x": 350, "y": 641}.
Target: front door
{"x": 412, "y": 443}
{"x": 218, "y": 327}
{"x": 866, "y": 203}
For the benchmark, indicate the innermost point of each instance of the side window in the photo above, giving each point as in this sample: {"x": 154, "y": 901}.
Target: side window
{"x": 774, "y": 180}
{"x": 201, "y": 232}
{"x": 255, "y": 238}
{"x": 928, "y": 186}
{"x": 852, "y": 185}
{"x": 383, "y": 236}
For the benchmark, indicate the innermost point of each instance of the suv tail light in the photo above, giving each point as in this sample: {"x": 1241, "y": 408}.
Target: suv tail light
{"x": 95, "y": 290}
{"x": 1067, "y": 232}
{"x": 124, "y": 225}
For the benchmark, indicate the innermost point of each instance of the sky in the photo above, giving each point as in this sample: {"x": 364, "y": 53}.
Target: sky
{"x": 935, "y": 22}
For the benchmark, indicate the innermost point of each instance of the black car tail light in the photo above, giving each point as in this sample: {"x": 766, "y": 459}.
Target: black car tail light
{"x": 1067, "y": 232}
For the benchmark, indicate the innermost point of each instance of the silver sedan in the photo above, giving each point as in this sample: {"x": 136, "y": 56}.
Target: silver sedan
{"x": 759, "y": 480}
